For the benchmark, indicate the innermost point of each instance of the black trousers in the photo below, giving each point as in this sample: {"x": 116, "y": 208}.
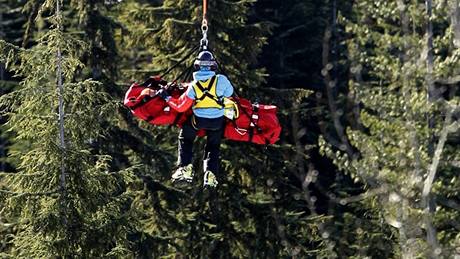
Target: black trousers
{"x": 214, "y": 132}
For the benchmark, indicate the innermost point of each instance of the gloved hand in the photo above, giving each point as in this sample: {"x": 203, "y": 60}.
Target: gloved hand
{"x": 162, "y": 93}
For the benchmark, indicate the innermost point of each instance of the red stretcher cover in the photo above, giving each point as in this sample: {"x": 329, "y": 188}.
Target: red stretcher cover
{"x": 154, "y": 110}
{"x": 256, "y": 123}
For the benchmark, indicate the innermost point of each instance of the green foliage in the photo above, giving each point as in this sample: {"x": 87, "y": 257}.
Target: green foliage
{"x": 360, "y": 194}
{"x": 395, "y": 152}
{"x": 85, "y": 216}
{"x": 11, "y": 21}
{"x": 250, "y": 215}
{"x": 293, "y": 53}
{"x": 164, "y": 34}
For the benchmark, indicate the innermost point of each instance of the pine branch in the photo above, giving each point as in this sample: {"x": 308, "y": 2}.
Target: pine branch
{"x": 21, "y": 194}
{"x": 154, "y": 186}
{"x": 19, "y": 174}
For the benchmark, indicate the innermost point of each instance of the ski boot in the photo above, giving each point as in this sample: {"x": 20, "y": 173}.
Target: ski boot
{"x": 183, "y": 175}
{"x": 210, "y": 180}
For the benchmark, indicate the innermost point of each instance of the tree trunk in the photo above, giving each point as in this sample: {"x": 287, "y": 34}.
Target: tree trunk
{"x": 427, "y": 201}
{"x": 330, "y": 84}
{"x": 61, "y": 116}
{"x": 426, "y": 196}
{"x": 455, "y": 23}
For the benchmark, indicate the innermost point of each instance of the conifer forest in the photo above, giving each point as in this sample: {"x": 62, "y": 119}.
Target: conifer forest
{"x": 367, "y": 164}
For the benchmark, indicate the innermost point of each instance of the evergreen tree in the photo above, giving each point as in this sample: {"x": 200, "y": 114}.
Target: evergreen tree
{"x": 384, "y": 108}
{"x": 402, "y": 53}
{"x": 65, "y": 200}
{"x": 11, "y": 23}
{"x": 253, "y": 213}
{"x": 305, "y": 51}
{"x": 293, "y": 53}
{"x": 96, "y": 20}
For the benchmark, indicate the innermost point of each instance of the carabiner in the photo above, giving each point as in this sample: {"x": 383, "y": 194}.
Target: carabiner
{"x": 204, "y": 26}
{"x": 204, "y": 30}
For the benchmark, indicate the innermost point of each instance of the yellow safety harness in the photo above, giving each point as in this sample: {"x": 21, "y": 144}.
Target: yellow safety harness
{"x": 206, "y": 96}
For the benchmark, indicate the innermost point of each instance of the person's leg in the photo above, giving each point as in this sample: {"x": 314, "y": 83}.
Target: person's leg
{"x": 184, "y": 172}
{"x": 211, "y": 161}
{"x": 185, "y": 146}
{"x": 212, "y": 151}
{"x": 214, "y": 129}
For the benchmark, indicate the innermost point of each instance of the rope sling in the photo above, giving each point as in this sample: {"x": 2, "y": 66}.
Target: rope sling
{"x": 187, "y": 73}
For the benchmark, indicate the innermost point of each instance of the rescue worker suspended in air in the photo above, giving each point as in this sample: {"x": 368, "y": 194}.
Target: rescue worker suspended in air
{"x": 205, "y": 94}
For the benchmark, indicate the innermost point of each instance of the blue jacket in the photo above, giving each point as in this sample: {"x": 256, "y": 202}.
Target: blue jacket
{"x": 223, "y": 89}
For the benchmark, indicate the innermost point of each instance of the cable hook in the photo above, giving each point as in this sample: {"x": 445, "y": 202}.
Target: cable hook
{"x": 204, "y": 31}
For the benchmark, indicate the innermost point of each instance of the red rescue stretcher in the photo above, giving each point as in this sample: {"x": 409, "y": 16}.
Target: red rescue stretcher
{"x": 256, "y": 123}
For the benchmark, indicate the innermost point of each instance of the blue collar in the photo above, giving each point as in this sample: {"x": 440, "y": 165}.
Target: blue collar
{"x": 202, "y": 75}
